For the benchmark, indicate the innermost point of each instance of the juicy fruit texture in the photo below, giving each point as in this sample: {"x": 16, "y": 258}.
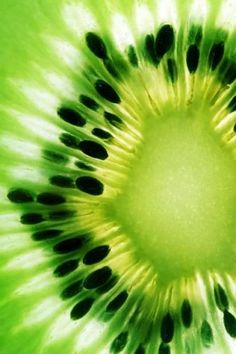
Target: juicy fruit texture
{"x": 117, "y": 181}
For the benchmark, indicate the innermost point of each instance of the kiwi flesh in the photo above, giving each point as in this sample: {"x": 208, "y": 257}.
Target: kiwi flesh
{"x": 118, "y": 178}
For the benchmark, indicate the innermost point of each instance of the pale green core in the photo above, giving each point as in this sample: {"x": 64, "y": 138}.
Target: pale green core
{"x": 178, "y": 204}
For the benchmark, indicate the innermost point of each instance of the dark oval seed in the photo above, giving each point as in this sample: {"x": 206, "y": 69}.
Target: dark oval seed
{"x": 84, "y": 166}
{"x": 61, "y": 215}
{"x": 96, "y": 45}
{"x": 192, "y": 58}
{"x": 117, "y": 302}
{"x": 164, "y": 349}
{"x": 66, "y": 268}
{"x": 100, "y": 133}
{"x": 97, "y": 278}
{"x": 164, "y": 40}
{"x": 108, "y": 286}
{"x": 216, "y": 55}
{"x": 46, "y": 234}
{"x": 89, "y": 185}
{"x": 234, "y": 128}
{"x": 221, "y": 298}
{"x": 55, "y": 157}
{"x": 69, "y": 140}
{"x": 113, "y": 119}
{"x": 206, "y": 334}
{"x": 232, "y": 104}
{"x": 186, "y": 313}
{"x": 62, "y": 181}
{"x": 172, "y": 69}
{"x": 93, "y": 149}
{"x": 150, "y": 47}
{"x": 108, "y": 64}
{"x": 132, "y": 56}
{"x": 20, "y": 195}
{"x": 81, "y": 308}
{"x": 50, "y": 199}
{"x": 89, "y": 102}
{"x": 96, "y": 255}
{"x": 106, "y": 91}
{"x": 31, "y": 218}
{"x": 230, "y": 324}
{"x": 167, "y": 328}
{"x": 72, "y": 290}
{"x": 71, "y": 116}
{"x": 119, "y": 342}
{"x": 140, "y": 350}
{"x": 229, "y": 75}
{"x": 69, "y": 245}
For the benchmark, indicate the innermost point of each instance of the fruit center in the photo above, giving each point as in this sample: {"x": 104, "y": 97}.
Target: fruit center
{"x": 178, "y": 203}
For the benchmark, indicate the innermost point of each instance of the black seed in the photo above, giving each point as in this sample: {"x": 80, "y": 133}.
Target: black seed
{"x": 164, "y": 349}
{"x": 232, "y": 105}
{"x": 106, "y": 91}
{"x": 96, "y": 45}
{"x": 172, "y": 69}
{"x": 119, "y": 342}
{"x": 100, "y": 133}
{"x": 81, "y": 308}
{"x": 55, "y": 157}
{"x": 108, "y": 286}
{"x": 20, "y": 195}
{"x": 234, "y": 128}
{"x": 117, "y": 302}
{"x": 133, "y": 59}
{"x": 113, "y": 119}
{"x": 206, "y": 334}
{"x": 84, "y": 166}
{"x": 46, "y": 234}
{"x": 186, "y": 313}
{"x": 96, "y": 255}
{"x": 89, "y": 185}
{"x": 93, "y": 149}
{"x": 31, "y": 218}
{"x": 108, "y": 64}
{"x": 97, "y": 278}
{"x": 167, "y": 328}
{"x": 69, "y": 245}
{"x": 62, "y": 181}
{"x": 221, "y": 298}
{"x": 71, "y": 116}
{"x": 61, "y": 215}
{"x": 89, "y": 102}
{"x": 50, "y": 199}
{"x": 164, "y": 40}
{"x": 216, "y": 55}
{"x": 69, "y": 140}
{"x": 192, "y": 58}
{"x": 72, "y": 289}
{"x": 66, "y": 268}
{"x": 140, "y": 350}
{"x": 150, "y": 47}
{"x": 230, "y": 324}
{"x": 229, "y": 75}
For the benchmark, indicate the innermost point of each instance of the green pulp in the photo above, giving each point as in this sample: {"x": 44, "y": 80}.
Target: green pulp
{"x": 178, "y": 202}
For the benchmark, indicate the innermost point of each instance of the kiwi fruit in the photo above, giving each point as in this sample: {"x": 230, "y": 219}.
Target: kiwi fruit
{"x": 117, "y": 136}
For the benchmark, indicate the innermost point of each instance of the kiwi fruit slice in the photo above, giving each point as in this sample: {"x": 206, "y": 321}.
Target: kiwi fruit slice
{"x": 118, "y": 177}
